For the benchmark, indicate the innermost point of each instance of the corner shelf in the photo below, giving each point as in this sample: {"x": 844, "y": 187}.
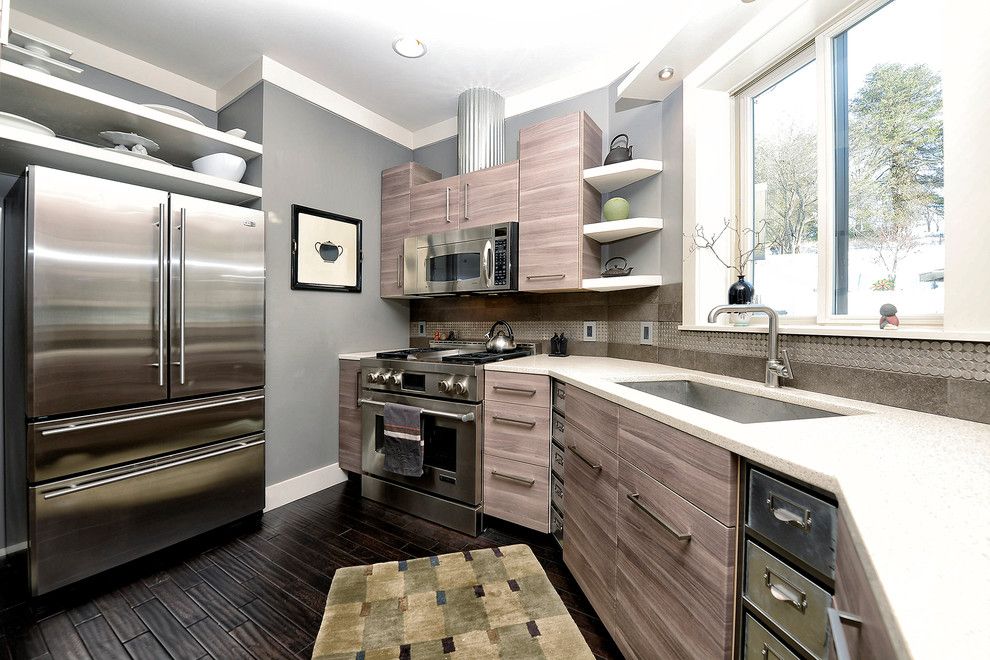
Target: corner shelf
{"x": 616, "y": 230}
{"x": 619, "y": 175}
{"x": 621, "y": 283}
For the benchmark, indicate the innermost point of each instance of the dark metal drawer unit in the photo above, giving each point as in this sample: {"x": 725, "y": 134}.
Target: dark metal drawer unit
{"x": 789, "y": 599}
{"x": 801, "y": 524}
{"x": 559, "y": 396}
{"x": 557, "y": 459}
{"x": 761, "y": 644}
{"x": 557, "y": 525}
{"x": 557, "y": 428}
{"x": 557, "y": 491}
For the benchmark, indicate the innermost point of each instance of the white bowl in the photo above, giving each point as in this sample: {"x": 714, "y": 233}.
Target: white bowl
{"x": 225, "y": 166}
{"x": 237, "y": 132}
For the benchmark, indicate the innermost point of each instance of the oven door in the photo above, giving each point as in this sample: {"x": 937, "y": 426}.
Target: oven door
{"x": 451, "y": 445}
{"x": 456, "y": 267}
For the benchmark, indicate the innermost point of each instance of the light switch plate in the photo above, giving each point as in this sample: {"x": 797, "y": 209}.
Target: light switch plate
{"x": 590, "y": 331}
{"x": 421, "y": 328}
{"x": 646, "y": 333}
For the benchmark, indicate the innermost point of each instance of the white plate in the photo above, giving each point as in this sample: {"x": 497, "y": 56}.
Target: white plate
{"x": 16, "y": 121}
{"x": 175, "y": 112}
{"x": 137, "y": 155}
{"x": 129, "y": 140}
{"x": 38, "y": 45}
{"x": 26, "y": 58}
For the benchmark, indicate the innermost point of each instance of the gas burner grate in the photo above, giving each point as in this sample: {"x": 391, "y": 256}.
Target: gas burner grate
{"x": 484, "y": 357}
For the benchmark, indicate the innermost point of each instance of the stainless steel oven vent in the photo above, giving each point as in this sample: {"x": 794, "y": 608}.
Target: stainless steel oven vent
{"x": 480, "y": 129}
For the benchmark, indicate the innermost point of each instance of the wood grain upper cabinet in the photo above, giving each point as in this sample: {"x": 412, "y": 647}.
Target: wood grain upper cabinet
{"x": 435, "y": 206}
{"x": 397, "y": 184}
{"x": 349, "y": 415}
{"x": 555, "y": 203}
{"x": 490, "y": 196}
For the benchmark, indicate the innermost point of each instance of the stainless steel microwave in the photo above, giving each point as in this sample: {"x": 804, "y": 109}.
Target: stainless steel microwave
{"x": 470, "y": 260}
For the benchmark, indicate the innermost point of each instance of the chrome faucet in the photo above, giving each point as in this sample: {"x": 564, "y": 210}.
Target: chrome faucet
{"x": 778, "y": 366}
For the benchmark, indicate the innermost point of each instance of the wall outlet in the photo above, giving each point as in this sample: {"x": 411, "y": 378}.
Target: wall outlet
{"x": 646, "y": 333}
{"x": 590, "y": 331}
{"x": 420, "y": 328}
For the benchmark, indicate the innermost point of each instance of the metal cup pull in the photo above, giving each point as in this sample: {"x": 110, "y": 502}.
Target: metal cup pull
{"x": 769, "y": 653}
{"x": 778, "y": 506}
{"x": 784, "y": 591}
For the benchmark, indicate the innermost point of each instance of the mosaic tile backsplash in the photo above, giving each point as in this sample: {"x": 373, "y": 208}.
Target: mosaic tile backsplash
{"x": 941, "y": 377}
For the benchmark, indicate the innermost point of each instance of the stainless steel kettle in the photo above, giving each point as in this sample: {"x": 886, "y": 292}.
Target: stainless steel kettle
{"x": 500, "y": 342}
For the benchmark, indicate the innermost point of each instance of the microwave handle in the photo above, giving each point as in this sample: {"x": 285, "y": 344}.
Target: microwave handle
{"x": 489, "y": 263}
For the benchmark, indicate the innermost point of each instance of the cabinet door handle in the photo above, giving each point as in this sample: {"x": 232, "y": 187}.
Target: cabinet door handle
{"x": 467, "y": 191}
{"x": 594, "y": 466}
{"x": 557, "y": 276}
{"x": 800, "y": 520}
{"x": 784, "y": 591}
{"x": 511, "y": 477}
{"x": 163, "y": 278}
{"x": 516, "y": 390}
{"x": 399, "y": 274}
{"x": 835, "y": 620}
{"x": 183, "y": 232}
{"x": 680, "y": 536}
{"x": 512, "y": 420}
{"x": 448, "y": 204}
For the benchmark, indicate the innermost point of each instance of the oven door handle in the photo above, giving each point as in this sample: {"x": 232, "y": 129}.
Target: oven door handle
{"x": 467, "y": 417}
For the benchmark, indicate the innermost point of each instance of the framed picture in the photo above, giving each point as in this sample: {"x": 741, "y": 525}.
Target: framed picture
{"x": 326, "y": 250}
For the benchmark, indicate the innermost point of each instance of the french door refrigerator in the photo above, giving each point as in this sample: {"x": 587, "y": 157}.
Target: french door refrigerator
{"x": 135, "y": 323}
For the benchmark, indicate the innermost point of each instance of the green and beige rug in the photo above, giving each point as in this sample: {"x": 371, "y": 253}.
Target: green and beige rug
{"x": 491, "y": 603}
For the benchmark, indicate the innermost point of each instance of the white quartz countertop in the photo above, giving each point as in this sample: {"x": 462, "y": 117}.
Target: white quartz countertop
{"x": 357, "y": 356}
{"x": 914, "y": 488}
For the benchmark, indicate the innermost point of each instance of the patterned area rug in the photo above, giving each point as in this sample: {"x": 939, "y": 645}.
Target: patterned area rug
{"x": 491, "y": 603}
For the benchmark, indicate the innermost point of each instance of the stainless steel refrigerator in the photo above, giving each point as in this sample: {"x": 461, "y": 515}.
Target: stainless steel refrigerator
{"x": 134, "y": 359}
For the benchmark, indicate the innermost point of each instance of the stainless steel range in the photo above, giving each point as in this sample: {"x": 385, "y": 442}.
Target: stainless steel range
{"x": 447, "y": 381}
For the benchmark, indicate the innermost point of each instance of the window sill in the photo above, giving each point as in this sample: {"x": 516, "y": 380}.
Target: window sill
{"x": 903, "y": 332}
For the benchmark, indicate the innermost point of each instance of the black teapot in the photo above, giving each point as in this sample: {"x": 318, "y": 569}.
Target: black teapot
{"x": 619, "y": 154}
{"x": 328, "y": 251}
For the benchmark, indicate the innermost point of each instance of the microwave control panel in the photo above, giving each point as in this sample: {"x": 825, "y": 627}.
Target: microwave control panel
{"x": 501, "y": 261}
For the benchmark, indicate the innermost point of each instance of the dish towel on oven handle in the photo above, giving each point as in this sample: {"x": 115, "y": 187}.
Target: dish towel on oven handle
{"x": 403, "y": 440}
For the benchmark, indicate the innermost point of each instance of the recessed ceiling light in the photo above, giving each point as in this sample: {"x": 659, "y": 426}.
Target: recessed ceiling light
{"x": 409, "y": 47}
{"x": 666, "y": 73}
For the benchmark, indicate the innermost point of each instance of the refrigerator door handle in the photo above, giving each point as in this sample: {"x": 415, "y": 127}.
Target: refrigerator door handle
{"x": 76, "y": 488}
{"x": 182, "y": 296}
{"x": 162, "y": 291}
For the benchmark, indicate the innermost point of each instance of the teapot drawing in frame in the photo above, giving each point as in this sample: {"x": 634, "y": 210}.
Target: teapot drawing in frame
{"x": 329, "y": 252}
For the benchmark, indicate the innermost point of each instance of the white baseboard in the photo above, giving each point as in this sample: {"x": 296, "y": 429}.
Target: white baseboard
{"x": 300, "y": 486}
{"x": 11, "y": 549}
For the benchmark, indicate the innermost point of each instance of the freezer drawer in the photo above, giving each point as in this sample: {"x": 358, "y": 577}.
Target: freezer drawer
{"x": 65, "y": 447}
{"x": 82, "y": 527}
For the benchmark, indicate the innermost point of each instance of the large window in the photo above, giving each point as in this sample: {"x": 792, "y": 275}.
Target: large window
{"x": 841, "y": 171}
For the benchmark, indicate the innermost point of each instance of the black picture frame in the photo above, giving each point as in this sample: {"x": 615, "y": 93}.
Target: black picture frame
{"x": 308, "y": 214}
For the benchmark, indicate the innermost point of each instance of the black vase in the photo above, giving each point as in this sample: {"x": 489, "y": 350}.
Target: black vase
{"x": 741, "y": 292}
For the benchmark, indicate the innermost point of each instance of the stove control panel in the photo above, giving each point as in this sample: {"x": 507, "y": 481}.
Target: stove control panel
{"x": 432, "y": 380}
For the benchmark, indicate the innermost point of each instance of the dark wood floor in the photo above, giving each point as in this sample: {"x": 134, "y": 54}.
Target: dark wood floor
{"x": 255, "y": 589}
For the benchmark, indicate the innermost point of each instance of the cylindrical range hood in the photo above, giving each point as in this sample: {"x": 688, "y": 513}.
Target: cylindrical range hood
{"x": 480, "y": 129}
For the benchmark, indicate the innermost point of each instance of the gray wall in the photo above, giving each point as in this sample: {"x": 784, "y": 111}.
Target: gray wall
{"x": 247, "y": 112}
{"x": 315, "y": 158}
{"x": 595, "y": 103}
{"x": 440, "y": 156}
{"x": 672, "y": 188}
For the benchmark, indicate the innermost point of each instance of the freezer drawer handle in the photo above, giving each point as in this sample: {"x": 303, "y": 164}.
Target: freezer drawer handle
{"x": 137, "y": 418}
{"x": 835, "y": 620}
{"x": 469, "y": 417}
{"x": 157, "y": 468}
{"x": 634, "y": 498}
{"x": 784, "y": 591}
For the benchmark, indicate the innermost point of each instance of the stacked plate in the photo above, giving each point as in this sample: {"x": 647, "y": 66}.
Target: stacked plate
{"x": 38, "y": 54}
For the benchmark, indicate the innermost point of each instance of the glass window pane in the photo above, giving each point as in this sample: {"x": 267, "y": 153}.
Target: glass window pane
{"x": 890, "y": 229}
{"x": 785, "y": 194}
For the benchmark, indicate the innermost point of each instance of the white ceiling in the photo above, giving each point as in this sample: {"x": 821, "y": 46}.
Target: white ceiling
{"x": 513, "y": 46}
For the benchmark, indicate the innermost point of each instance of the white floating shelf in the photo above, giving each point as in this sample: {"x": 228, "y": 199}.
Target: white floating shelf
{"x": 18, "y": 149}
{"x": 621, "y": 283}
{"x": 618, "y": 175}
{"x": 80, "y": 113}
{"x": 616, "y": 230}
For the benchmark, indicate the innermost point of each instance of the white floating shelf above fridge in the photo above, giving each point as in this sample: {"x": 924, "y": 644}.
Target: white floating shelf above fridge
{"x": 616, "y": 230}
{"x": 619, "y": 175}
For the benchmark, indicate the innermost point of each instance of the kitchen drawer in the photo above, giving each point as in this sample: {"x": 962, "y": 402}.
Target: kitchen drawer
{"x": 557, "y": 525}
{"x": 761, "y": 644}
{"x": 596, "y": 417}
{"x": 559, "y": 396}
{"x": 82, "y": 526}
{"x": 525, "y": 389}
{"x": 558, "y": 428}
{"x": 791, "y": 600}
{"x": 518, "y": 492}
{"x": 557, "y": 459}
{"x": 556, "y": 491}
{"x": 519, "y": 433}
{"x": 797, "y": 521}
{"x": 698, "y": 471}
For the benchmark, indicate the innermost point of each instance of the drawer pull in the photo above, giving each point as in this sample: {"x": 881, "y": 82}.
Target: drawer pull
{"x": 515, "y": 390}
{"x": 769, "y": 653}
{"x": 634, "y": 498}
{"x": 835, "y": 620}
{"x": 512, "y": 420}
{"x": 801, "y": 520}
{"x": 511, "y": 477}
{"x": 594, "y": 466}
{"x": 784, "y": 591}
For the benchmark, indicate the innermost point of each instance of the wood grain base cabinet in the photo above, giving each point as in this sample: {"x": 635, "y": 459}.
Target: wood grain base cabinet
{"x": 349, "y": 416}
{"x": 397, "y": 185}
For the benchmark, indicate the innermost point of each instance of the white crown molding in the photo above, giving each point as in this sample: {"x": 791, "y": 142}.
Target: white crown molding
{"x": 438, "y": 131}
{"x": 240, "y": 83}
{"x": 120, "y": 64}
{"x": 303, "y": 485}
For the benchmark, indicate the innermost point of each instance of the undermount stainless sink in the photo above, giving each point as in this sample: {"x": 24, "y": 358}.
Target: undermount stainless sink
{"x": 737, "y": 406}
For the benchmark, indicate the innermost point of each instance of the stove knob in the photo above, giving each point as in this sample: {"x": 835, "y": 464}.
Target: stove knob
{"x": 446, "y": 385}
{"x": 461, "y": 387}
{"x": 395, "y": 378}
{"x": 373, "y": 376}
{"x": 378, "y": 377}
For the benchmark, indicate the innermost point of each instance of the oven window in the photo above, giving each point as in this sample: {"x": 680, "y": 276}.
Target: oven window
{"x": 454, "y": 267}
{"x": 439, "y": 443}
